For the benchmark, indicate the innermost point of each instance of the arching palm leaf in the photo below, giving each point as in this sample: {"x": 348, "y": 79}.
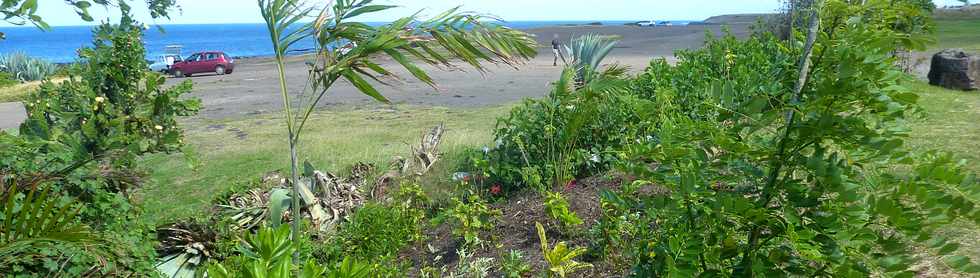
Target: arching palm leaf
{"x": 38, "y": 221}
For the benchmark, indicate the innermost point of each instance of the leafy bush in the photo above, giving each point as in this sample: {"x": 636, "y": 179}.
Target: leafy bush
{"x": 557, "y": 208}
{"x": 780, "y": 159}
{"x": 575, "y": 131}
{"x": 471, "y": 218}
{"x": 268, "y": 253}
{"x": 514, "y": 265}
{"x": 83, "y": 138}
{"x": 33, "y": 226}
{"x": 377, "y": 231}
{"x": 26, "y": 68}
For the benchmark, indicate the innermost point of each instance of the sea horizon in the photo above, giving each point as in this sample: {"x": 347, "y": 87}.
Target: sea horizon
{"x": 60, "y": 43}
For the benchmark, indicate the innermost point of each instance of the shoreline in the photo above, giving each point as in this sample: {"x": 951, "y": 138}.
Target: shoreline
{"x": 544, "y": 42}
{"x": 247, "y": 92}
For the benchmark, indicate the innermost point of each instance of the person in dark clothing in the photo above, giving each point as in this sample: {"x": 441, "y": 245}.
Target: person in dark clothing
{"x": 556, "y": 49}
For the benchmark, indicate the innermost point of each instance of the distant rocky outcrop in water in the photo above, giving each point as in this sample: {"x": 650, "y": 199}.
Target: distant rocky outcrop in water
{"x": 955, "y": 69}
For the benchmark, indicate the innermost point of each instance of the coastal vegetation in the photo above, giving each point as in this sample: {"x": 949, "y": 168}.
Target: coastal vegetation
{"x": 812, "y": 155}
{"x": 19, "y": 66}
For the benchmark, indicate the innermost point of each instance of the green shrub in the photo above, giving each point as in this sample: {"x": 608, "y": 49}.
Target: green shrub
{"x": 557, "y": 208}
{"x": 378, "y": 231}
{"x": 268, "y": 253}
{"x": 514, "y": 265}
{"x": 471, "y": 218}
{"x": 84, "y": 138}
{"x": 574, "y": 132}
{"x": 26, "y": 68}
{"x": 786, "y": 159}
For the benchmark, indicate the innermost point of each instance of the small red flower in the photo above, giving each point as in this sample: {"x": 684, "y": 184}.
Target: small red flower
{"x": 466, "y": 178}
{"x": 571, "y": 184}
{"x": 495, "y": 189}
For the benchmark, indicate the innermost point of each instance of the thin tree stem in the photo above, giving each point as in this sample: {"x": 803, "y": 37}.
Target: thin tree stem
{"x": 294, "y": 165}
{"x": 778, "y": 160}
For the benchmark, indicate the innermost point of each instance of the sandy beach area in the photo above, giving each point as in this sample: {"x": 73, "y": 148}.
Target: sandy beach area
{"x": 253, "y": 88}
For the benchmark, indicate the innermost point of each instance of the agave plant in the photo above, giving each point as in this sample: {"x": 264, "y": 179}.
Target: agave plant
{"x": 587, "y": 53}
{"x": 449, "y": 36}
{"x": 26, "y": 68}
{"x": 36, "y": 221}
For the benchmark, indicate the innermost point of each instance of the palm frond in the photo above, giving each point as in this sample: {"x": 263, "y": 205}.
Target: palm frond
{"x": 37, "y": 221}
{"x": 450, "y": 36}
{"x": 280, "y": 15}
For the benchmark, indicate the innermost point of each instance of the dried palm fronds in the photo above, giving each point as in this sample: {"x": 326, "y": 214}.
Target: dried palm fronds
{"x": 327, "y": 198}
{"x": 184, "y": 246}
{"x": 423, "y": 158}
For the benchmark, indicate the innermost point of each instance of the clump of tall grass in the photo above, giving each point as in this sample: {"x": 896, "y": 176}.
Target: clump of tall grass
{"x": 26, "y": 68}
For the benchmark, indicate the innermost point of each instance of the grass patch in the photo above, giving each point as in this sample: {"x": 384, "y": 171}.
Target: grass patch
{"x": 226, "y": 152}
{"x": 958, "y": 33}
{"x": 949, "y": 123}
{"x": 18, "y": 92}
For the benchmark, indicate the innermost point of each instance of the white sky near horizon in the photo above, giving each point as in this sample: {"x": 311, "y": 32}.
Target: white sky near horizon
{"x": 57, "y": 13}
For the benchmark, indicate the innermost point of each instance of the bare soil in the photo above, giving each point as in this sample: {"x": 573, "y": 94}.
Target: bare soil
{"x": 516, "y": 230}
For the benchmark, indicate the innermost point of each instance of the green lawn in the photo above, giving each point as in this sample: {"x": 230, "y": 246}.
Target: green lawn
{"x": 229, "y": 152}
{"x": 958, "y": 33}
{"x": 951, "y": 122}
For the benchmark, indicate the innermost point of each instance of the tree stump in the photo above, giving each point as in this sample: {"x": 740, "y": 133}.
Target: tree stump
{"x": 955, "y": 69}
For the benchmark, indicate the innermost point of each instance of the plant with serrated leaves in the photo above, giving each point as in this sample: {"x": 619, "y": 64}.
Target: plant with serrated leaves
{"x": 561, "y": 258}
{"x": 471, "y": 218}
{"x": 557, "y": 208}
{"x": 448, "y": 36}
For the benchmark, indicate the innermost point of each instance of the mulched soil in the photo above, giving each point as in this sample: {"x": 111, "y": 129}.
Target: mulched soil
{"x": 516, "y": 231}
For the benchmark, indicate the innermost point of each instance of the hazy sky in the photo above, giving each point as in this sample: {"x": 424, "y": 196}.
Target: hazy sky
{"x": 55, "y": 12}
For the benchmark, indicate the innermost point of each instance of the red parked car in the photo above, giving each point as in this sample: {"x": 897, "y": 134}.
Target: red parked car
{"x": 204, "y": 62}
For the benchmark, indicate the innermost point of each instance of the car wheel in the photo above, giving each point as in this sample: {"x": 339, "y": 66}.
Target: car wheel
{"x": 178, "y": 73}
{"x": 220, "y": 70}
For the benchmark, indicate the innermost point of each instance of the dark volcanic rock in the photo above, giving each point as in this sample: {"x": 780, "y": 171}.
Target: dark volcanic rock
{"x": 955, "y": 69}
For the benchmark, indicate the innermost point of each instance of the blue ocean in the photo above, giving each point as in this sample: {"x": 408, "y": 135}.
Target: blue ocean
{"x": 59, "y": 44}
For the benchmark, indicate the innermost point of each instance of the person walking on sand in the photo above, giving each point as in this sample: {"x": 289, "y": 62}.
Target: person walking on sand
{"x": 556, "y": 49}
